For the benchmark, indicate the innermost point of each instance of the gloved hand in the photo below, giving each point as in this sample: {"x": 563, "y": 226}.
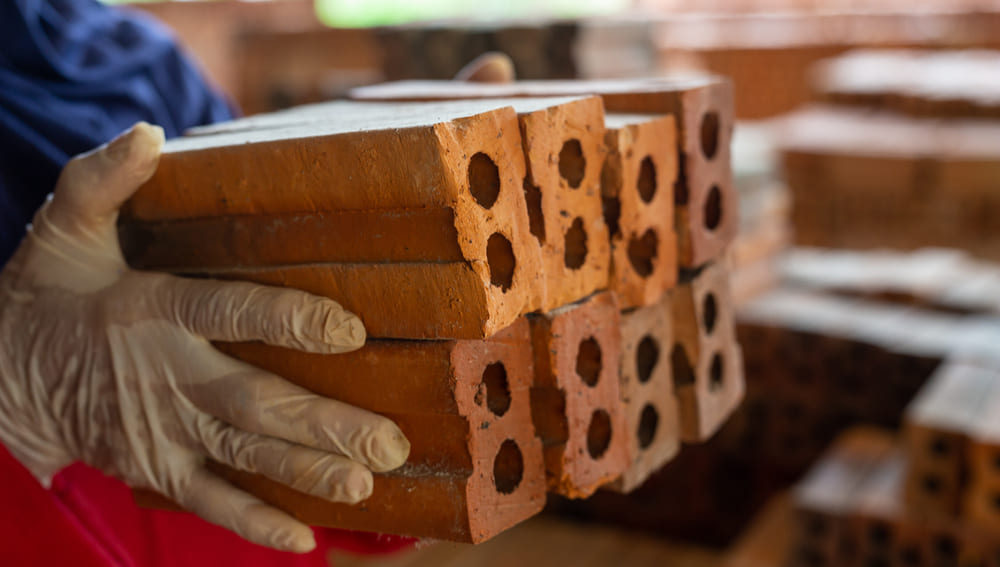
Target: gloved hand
{"x": 113, "y": 367}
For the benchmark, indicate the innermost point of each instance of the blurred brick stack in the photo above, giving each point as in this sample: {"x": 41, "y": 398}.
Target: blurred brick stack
{"x": 542, "y": 280}
{"x": 904, "y": 156}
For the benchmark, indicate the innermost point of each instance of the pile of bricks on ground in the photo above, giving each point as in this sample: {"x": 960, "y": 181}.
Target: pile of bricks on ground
{"x": 541, "y": 279}
{"x": 846, "y": 338}
{"x": 867, "y": 501}
{"x": 899, "y": 161}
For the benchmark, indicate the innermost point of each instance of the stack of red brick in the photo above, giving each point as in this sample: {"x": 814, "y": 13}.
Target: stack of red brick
{"x": 904, "y": 157}
{"x": 515, "y": 263}
{"x": 857, "y": 505}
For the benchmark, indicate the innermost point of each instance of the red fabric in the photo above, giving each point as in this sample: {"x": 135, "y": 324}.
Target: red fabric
{"x": 90, "y": 520}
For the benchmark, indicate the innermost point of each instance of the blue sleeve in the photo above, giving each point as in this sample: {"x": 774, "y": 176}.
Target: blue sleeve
{"x": 73, "y": 75}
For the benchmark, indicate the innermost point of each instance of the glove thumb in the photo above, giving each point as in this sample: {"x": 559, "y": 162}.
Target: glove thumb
{"x": 94, "y": 185}
{"x": 73, "y": 241}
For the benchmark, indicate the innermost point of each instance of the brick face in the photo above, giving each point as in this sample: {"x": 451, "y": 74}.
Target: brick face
{"x": 576, "y": 399}
{"x": 706, "y": 357}
{"x": 652, "y": 419}
{"x": 637, "y": 189}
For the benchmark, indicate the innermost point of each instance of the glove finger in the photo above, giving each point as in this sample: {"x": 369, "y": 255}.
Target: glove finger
{"x": 221, "y": 503}
{"x": 241, "y": 311}
{"x": 259, "y": 402}
{"x": 307, "y": 470}
{"x": 93, "y": 186}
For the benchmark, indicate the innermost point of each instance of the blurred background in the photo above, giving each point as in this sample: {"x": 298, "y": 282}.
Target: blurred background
{"x": 867, "y": 158}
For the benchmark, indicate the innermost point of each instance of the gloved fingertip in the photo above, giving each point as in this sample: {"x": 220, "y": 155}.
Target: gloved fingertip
{"x": 389, "y": 448}
{"x": 299, "y": 539}
{"x": 347, "y": 332}
{"x": 135, "y": 145}
{"x": 357, "y": 484}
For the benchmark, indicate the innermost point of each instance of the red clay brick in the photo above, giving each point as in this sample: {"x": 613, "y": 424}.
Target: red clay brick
{"x": 366, "y": 201}
{"x": 647, "y": 393}
{"x": 706, "y": 216}
{"x": 475, "y": 466}
{"x": 575, "y": 400}
{"x": 636, "y": 186}
{"x": 706, "y": 357}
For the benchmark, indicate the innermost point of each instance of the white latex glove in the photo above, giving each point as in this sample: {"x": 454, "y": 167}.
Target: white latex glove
{"x": 113, "y": 367}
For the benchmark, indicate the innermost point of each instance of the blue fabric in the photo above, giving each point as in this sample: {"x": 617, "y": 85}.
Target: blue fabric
{"x": 73, "y": 75}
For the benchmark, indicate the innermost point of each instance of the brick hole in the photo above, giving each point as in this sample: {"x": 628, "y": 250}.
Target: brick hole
{"x": 484, "y": 180}
{"x": 946, "y": 548}
{"x": 646, "y": 183}
{"x": 497, "y": 388}
{"x": 940, "y": 447}
{"x": 681, "y": 366}
{"x": 932, "y": 484}
{"x": 642, "y": 251}
{"x": 879, "y": 535}
{"x": 996, "y": 461}
{"x": 646, "y": 357}
{"x": 715, "y": 372}
{"x": 710, "y": 134}
{"x": 649, "y": 420}
{"x": 501, "y": 261}
{"x": 811, "y": 557}
{"x": 680, "y": 185}
{"x": 572, "y": 164}
{"x": 713, "y": 208}
{"x": 599, "y": 434}
{"x": 508, "y": 467}
{"x": 576, "y": 245}
{"x": 848, "y": 548}
{"x": 709, "y": 312}
{"x": 612, "y": 209}
{"x": 588, "y": 361}
{"x": 536, "y": 219}
{"x": 910, "y": 557}
{"x": 996, "y": 501}
{"x": 877, "y": 561}
{"x": 816, "y": 526}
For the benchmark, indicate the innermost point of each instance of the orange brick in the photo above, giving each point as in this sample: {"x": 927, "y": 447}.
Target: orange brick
{"x": 707, "y": 363}
{"x": 706, "y": 216}
{"x": 411, "y": 216}
{"x": 475, "y": 466}
{"x": 575, "y": 400}
{"x": 636, "y": 186}
{"x": 647, "y": 393}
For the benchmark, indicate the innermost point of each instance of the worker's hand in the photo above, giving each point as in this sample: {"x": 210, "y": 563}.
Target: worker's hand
{"x": 491, "y": 67}
{"x": 113, "y": 367}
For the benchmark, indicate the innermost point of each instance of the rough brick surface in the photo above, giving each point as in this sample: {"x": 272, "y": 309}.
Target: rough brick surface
{"x": 636, "y": 186}
{"x": 475, "y": 466}
{"x": 706, "y": 360}
{"x": 706, "y": 218}
{"x": 647, "y": 392}
{"x": 564, "y": 152}
{"x": 575, "y": 400}
{"x": 365, "y": 197}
